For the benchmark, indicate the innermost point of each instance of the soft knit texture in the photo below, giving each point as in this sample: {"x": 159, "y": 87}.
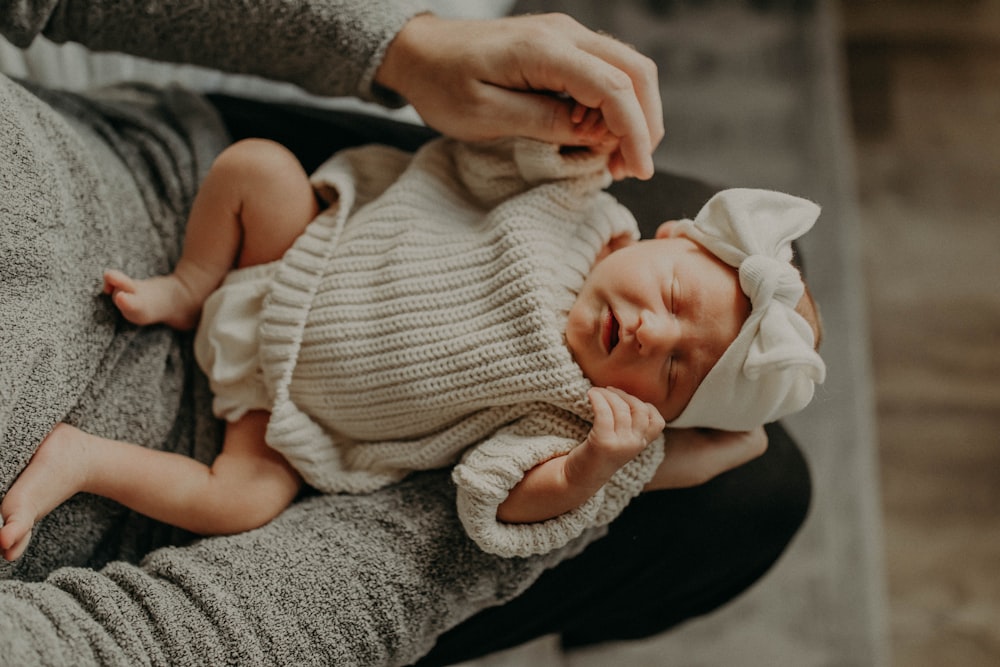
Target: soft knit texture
{"x": 421, "y": 317}
{"x": 106, "y": 184}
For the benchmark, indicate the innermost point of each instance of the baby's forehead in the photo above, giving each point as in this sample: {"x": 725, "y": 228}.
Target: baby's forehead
{"x": 681, "y": 247}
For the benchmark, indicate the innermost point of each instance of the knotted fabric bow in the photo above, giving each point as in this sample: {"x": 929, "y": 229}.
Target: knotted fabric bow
{"x": 770, "y": 370}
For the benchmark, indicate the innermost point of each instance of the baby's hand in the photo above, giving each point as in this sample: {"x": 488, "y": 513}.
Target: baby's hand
{"x": 592, "y": 130}
{"x": 623, "y": 425}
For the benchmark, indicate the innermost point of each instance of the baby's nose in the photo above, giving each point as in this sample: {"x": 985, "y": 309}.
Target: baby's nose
{"x": 657, "y": 332}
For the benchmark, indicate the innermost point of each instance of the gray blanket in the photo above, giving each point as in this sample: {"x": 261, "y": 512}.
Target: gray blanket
{"x": 334, "y": 580}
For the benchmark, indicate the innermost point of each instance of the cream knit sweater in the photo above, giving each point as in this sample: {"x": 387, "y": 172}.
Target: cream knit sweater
{"x": 418, "y": 323}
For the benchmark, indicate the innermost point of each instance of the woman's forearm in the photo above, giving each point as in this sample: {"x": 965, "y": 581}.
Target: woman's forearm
{"x": 693, "y": 456}
{"x": 329, "y": 47}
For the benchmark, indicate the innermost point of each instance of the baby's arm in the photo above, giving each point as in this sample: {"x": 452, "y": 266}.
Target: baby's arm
{"x": 623, "y": 427}
{"x": 246, "y": 486}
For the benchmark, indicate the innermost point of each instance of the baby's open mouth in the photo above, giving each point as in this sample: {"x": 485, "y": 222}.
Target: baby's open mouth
{"x": 611, "y": 328}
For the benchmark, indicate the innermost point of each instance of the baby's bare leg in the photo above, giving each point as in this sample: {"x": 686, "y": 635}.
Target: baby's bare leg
{"x": 247, "y": 485}
{"x": 255, "y": 201}
{"x": 55, "y": 473}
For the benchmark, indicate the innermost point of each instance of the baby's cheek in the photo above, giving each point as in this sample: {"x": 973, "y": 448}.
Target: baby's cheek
{"x": 644, "y": 389}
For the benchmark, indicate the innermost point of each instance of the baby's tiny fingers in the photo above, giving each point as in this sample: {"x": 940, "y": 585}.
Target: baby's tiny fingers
{"x": 622, "y": 408}
{"x": 589, "y": 122}
{"x": 604, "y": 417}
{"x": 645, "y": 416}
{"x": 599, "y": 402}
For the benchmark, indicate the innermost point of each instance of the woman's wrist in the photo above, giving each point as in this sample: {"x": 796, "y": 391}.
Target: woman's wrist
{"x": 403, "y": 51}
{"x": 693, "y": 456}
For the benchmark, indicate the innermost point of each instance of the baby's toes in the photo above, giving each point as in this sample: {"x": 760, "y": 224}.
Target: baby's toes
{"x": 17, "y": 550}
{"x": 132, "y": 307}
{"x": 115, "y": 280}
{"x": 14, "y": 537}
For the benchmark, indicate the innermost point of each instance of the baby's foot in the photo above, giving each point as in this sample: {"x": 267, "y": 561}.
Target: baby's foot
{"x": 55, "y": 472}
{"x": 15, "y": 534}
{"x": 158, "y": 299}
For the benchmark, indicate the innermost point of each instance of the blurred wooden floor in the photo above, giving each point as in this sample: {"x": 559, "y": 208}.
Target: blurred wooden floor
{"x": 925, "y": 92}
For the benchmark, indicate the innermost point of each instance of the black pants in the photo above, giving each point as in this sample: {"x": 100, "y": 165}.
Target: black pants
{"x": 671, "y": 555}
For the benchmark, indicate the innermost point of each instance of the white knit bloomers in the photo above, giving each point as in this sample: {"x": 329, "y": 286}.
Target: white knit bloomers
{"x": 226, "y": 345}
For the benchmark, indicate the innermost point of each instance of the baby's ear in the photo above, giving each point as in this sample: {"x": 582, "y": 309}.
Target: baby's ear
{"x": 668, "y": 230}
{"x": 615, "y": 243}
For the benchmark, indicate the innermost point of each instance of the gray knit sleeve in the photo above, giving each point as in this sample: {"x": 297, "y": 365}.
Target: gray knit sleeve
{"x": 335, "y": 580}
{"x": 329, "y": 47}
{"x": 491, "y": 469}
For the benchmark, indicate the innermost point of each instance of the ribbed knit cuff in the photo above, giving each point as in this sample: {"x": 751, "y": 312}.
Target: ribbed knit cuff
{"x": 629, "y": 482}
{"x": 484, "y": 479}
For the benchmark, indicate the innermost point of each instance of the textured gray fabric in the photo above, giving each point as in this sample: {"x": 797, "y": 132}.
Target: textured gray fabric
{"x": 87, "y": 183}
{"x": 335, "y": 580}
{"x": 329, "y": 47}
{"x": 109, "y": 187}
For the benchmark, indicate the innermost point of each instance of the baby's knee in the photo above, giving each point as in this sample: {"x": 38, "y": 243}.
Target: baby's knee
{"x": 255, "y": 159}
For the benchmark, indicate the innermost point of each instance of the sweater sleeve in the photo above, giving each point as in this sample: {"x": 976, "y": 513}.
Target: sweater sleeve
{"x": 495, "y": 171}
{"x": 329, "y": 47}
{"x": 491, "y": 469}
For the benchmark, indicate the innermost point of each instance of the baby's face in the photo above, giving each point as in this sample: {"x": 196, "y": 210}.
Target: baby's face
{"x": 653, "y": 317}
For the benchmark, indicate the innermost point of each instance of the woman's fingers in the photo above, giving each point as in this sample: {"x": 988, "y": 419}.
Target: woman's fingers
{"x": 529, "y": 76}
{"x": 602, "y": 73}
{"x": 623, "y": 84}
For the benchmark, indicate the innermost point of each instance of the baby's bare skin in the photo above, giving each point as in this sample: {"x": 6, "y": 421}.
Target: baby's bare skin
{"x": 56, "y": 472}
{"x": 167, "y": 299}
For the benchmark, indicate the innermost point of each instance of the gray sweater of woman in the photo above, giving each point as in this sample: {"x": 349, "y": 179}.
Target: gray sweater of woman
{"x": 106, "y": 179}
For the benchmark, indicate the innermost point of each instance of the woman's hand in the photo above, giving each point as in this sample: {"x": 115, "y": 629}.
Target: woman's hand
{"x": 529, "y": 76}
{"x": 696, "y": 455}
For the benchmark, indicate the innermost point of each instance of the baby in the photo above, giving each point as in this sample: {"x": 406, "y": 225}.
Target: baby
{"x": 483, "y": 306}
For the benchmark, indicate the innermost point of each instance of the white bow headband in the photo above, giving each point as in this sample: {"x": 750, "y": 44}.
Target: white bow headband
{"x": 770, "y": 370}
